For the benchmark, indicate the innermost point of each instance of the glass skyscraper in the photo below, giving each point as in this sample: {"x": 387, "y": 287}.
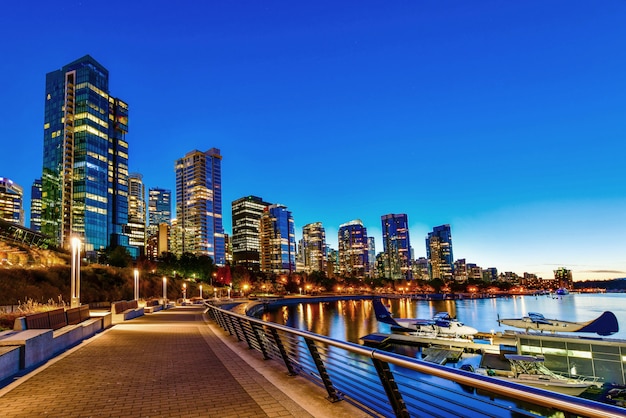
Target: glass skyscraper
{"x": 439, "y": 253}
{"x": 11, "y": 202}
{"x": 246, "y": 239}
{"x": 278, "y": 240}
{"x": 159, "y": 208}
{"x": 199, "y": 204}
{"x": 314, "y": 247}
{"x": 396, "y": 246}
{"x": 353, "y": 250}
{"x": 35, "y": 205}
{"x": 136, "y": 215}
{"x": 85, "y": 164}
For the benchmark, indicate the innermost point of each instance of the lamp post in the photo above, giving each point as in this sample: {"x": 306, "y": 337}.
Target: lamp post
{"x": 184, "y": 292}
{"x": 200, "y": 291}
{"x": 229, "y": 290}
{"x": 75, "y": 273}
{"x": 136, "y": 284}
{"x": 164, "y": 290}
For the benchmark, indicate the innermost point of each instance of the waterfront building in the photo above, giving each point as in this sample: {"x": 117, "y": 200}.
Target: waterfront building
{"x": 85, "y": 166}
{"x": 136, "y": 227}
{"x": 313, "y": 247}
{"x": 460, "y": 271}
{"x": 564, "y": 277}
{"x": 175, "y": 238}
{"x": 246, "y": 238}
{"x": 277, "y": 240}
{"x": 11, "y": 202}
{"x": 35, "y": 205}
{"x": 490, "y": 274}
{"x": 420, "y": 268}
{"x": 371, "y": 257}
{"x": 396, "y": 246}
{"x": 474, "y": 272}
{"x": 332, "y": 262}
{"x": 159, "y": 208}
{"x": 439, "y": 253}
{"x": 199, "y": 204}
{"x": 353, "y": 250}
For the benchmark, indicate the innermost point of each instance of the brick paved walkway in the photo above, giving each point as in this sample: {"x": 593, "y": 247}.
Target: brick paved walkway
{"x": 164, "y": 364}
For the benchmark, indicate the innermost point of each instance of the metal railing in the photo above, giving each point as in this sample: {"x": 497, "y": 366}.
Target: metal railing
{"x": 388, "y": 384}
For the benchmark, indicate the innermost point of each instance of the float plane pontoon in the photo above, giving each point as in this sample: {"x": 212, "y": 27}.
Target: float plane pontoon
{"x": 440, "y": 325}
{"x": 605, "y": 324}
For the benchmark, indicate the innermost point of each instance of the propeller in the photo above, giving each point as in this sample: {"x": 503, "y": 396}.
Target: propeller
{"x": 499, "y": 323}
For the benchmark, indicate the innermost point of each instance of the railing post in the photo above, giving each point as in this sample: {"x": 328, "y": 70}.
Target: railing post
{"x": 283, "y": 352}
{"x": 245, "y": 334}
{"x": 232, "y": 328}
{"x": 332, "y": 393}
{"x": 257, "y": 334}
{"x": 391, "y": 389}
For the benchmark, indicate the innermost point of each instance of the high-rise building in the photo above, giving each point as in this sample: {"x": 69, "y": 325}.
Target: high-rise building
{"x": 564, "y": 277}
{"x": 314, "y": 247}
{"x": 199, "y": 204}
{"x": 439, "y": 253}
{"x": 278, "y": 240}
{"x": 11, "y": 202}
{"x": 35, "y": 205}
{"x": 159, "y": 208}
{"x": 85, "y": 165}
{"x": 136, "y": 227}
{"x": 353, "y": 250}
{"x": 371, "y": 256}
{"x": 246, "y": 239}
{"x": 396, "y": 246}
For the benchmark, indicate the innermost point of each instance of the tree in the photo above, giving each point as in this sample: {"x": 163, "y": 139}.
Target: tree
{"x": 119, "y": 257}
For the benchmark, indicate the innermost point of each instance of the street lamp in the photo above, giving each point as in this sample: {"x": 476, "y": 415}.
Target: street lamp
{"x": 200, "y": 291}
{"x": 184, "y": 291}
{"x": 75, "y": 273}
{"x": 164, "y": 290}
{"x": 136, "y": 284}
{"x": 245, "y": 289}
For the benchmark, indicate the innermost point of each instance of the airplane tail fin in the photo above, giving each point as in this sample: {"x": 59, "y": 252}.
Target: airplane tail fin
{"x": 605, "y": 324}
{"x": 382, "y": 314}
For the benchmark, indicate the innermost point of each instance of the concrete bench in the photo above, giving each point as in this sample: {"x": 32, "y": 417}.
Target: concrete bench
{"x": 152, "y": 305}
{"x": 125, "y": 310}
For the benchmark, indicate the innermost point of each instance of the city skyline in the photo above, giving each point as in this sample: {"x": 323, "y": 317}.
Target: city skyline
{"x": 502, "y": 120}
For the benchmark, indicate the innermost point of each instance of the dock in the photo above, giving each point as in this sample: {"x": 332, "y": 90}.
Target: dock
{"x": 440, "y": 355}
{"x": 479, "y": 345}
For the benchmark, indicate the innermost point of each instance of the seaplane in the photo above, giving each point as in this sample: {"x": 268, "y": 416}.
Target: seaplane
{"x": 440, "y": 325}
{"x": 605, "y": 324}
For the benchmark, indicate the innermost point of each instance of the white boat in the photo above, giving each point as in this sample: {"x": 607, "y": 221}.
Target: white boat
{"x": 531, "y": 371}
{"x": 605, "y": 324}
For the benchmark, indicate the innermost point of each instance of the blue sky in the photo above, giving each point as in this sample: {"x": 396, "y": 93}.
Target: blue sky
{"x": 505, "y": 120}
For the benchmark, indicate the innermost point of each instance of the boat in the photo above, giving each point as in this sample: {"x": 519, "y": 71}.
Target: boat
{"x": 605, "y": 324}
{"x": 561, "y": 291}
{"x": 531, "y": 371}
{"x": 441, "y": 324}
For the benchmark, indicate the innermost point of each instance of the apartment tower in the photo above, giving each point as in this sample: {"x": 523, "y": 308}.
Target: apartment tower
{"x": 199, "y": 204}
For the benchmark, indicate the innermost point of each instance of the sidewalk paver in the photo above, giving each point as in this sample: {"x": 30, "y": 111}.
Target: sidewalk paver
{"x": 168, "y": 364}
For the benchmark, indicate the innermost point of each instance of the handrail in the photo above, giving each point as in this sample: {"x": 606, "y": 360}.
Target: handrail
{"x": 324, "y": 370}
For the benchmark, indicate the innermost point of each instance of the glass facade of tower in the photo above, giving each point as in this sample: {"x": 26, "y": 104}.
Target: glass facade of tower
{"x": 159, "y": 209}
{"x": 199, "y": 204}
{"x": 278, "y": 240}
{"x": 439, "y": 253}
{"x": 136, "y": 215}
{"x": 85, "y": 165}
{"x": 353, "y": 250}
{"x": 245, "y": 241}
{"x": 396, "y": 246}
{"x": 314, "y": 247}
{"x": 11, "y": 202}
{"x": 35, "y": 205}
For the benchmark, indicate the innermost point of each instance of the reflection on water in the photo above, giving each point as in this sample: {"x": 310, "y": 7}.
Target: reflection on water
{"x": 350, "y": 320}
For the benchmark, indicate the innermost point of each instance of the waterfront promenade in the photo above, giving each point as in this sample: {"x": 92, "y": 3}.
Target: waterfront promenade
{"x": 168, "y": 364}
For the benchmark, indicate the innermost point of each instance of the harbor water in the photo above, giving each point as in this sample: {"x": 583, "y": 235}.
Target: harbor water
{"x": 349, "y": 320}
